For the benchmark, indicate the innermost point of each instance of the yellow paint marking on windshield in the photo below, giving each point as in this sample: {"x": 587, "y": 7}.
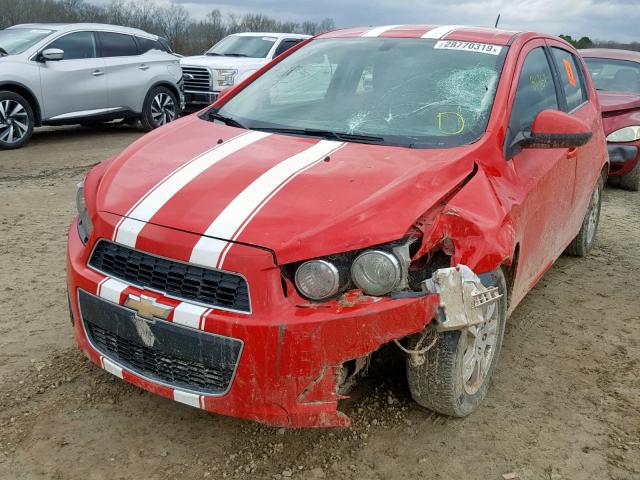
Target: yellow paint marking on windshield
{"x": 459, "y": 120}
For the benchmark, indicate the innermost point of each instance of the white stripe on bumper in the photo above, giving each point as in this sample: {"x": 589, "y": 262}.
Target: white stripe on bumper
{"x": 128, "y": 229}
{"x": 111, "y": 367}
{"x": 189, "y": 315}
{"x": 187, "y": 398}
{"x": 110, "y": 289}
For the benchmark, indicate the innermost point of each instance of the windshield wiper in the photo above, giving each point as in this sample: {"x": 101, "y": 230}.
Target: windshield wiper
{"x": 326, "y": 134}
{"x": 3, "y": 52}
{"x": 226, "y": 120}
{"x": 235, "y": 55}
{"x": 213, "y": 54}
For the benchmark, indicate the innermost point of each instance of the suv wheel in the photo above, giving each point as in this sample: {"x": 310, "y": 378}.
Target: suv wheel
{"x": 160, "y": 108}
{"x": 16, "y": 120}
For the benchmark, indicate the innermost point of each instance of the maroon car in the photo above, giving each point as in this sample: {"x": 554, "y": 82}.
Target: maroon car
{"x": 616, "y": 74}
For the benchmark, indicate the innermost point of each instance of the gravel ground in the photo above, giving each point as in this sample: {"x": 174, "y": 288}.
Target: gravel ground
{"x": 564, "y": 404}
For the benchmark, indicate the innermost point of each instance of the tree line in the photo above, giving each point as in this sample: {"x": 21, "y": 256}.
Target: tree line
{"x": 185, "y": 34}
{"x": 586, "y": 42}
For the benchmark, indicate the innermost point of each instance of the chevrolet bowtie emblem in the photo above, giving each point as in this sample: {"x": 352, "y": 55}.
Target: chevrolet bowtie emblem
{"x": 147, "y": 307}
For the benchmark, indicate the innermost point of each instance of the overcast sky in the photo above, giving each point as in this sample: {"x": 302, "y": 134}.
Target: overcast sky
{"x": 599, "y": 19}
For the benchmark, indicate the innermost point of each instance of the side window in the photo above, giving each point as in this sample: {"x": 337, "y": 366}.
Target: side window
{"x": 536, "y": 92}
{"x": 117, "y": 45}
{"x": 285, "y": 45}
{"x": 146, "y": 44}
{"x": 76, "y": 45}
{"x": 571, "y": 78}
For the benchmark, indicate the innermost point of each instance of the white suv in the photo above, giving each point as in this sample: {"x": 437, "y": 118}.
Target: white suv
{"x": 59, "y": 74}
{"x": 230, "y": 61}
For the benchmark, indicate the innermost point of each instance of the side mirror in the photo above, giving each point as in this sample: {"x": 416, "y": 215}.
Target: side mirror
{"x": 555, "y": 129}
{"x": 52, "y": 55}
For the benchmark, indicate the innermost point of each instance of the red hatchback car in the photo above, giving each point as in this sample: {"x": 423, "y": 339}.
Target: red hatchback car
{"x": 402, "y": 184}
{"x": 616, "y": 75}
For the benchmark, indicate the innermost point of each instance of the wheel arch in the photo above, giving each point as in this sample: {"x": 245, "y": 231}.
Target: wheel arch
{"x": 162, "y": 83}
{"x": 28, "y": 95}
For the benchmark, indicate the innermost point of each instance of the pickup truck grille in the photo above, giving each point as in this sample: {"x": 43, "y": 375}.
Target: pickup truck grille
{"x": 196, "y": 79}
{"x": 180, "y": 280}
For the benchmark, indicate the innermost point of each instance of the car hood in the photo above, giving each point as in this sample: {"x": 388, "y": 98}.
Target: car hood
{"x": 221, "y": 62}
{"x": 299, "y": 197}
{"x": 614, "y": 101}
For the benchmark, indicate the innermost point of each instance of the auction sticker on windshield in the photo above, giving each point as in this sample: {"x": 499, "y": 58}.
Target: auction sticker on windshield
{"x": 469, "y": 47}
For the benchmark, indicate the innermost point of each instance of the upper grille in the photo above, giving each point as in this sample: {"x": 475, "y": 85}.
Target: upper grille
{"x": 196, "y": 79}
{"x": 180, "y": 280}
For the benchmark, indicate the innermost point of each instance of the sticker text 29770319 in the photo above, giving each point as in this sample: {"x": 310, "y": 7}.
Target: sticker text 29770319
{"x": 469, "y": 47}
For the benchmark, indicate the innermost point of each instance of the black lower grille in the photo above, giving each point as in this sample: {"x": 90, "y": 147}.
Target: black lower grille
{"x": 151, "y": 363}
{"x": 181, "y": 280}
{"x": 171, "y": 354}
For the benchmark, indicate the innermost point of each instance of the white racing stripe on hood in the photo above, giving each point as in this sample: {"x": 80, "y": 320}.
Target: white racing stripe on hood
{"x": 210, "y": 252}
{"x": 440, "y": 32}
{"x": 128, "y": 229}
{"x": 376, "y": 32}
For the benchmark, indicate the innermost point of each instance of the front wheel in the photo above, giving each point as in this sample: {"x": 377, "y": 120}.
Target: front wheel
{"x": 16, "y": 120}
{"x": 586, "y": 238}
{"x": 160, "y": 107}
{"x": 455, "y": 376}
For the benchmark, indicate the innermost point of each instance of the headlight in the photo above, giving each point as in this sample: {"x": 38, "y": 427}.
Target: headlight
{"x": 85, "y": 227}
{"x": 226, "y": 76}
{"x": 317, "y": 279}
{"x": 626, "y": 134}
{"x": 376, "y": 272}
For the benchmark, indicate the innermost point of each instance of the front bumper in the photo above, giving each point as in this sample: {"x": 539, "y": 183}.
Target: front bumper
{"x": 623, "y": 157}
{"x": 196, "y": 100}
{"x": 286, "y": 371}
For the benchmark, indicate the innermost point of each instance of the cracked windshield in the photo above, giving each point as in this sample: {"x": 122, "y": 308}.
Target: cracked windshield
{"x": 410, "y": 92}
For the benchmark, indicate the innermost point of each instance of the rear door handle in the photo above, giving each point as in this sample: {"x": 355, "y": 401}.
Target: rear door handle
{"x": 97, "y": 73}
{"x": 572, "y": 153}
{"x": 143, "y": 67}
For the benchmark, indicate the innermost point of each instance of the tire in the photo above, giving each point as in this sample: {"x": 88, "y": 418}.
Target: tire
{"x": 160, "y": 107}
{"x": 16, "y": 120}
{"x": 631, "y": 180}
{"x": 586, "y": 238}
{"x": 440, "y": 383}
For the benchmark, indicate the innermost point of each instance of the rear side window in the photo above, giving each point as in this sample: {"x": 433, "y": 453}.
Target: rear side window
{"x": 76, "y": 45}
{"x": 286, "y": 45}
{"x": 146, "y": 44}
{"x": 571, "y": 78}
{"x": 117, "y": 45}
{"x": 536, "y": 92}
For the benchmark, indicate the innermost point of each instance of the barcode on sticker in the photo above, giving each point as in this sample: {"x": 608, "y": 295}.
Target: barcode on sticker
{"x": 469, "y": 47}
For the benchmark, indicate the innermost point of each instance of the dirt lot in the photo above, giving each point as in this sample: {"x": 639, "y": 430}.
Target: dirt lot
{"x": 565, "y": 401}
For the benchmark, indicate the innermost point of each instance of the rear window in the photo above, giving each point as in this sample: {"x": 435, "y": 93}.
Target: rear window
{"x": 571, "y": 78}
{"x": 147, "y": 44}
{"x": 117, "y": 45}
{"x": 614, "y": 75}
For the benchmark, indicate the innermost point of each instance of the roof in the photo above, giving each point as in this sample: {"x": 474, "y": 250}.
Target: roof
{"x": 268, "y": 34}
{"x": 449, "y": 32}
{"x": 611, "y": 53}
{"x": 64, "y": 27}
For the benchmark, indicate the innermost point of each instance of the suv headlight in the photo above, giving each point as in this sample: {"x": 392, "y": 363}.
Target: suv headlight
{"x": 626, "y": 134}
{"x": 226, "y": 76}
{"x": 85, "y": 227}
{"x": 376, "y": 272}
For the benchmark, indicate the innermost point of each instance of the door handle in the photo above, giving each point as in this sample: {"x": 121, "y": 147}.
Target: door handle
{"x": 572, "y": 153}
{"x": 97, "y": 73}
{"x": 143, "y": 67}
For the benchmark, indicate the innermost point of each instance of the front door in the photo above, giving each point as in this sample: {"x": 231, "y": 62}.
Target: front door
{"x": 77, "y": 84}
{"x": 544, "y": 178}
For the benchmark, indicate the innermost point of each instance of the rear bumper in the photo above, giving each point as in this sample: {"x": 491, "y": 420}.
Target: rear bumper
{"x": 623, "y": 157}
{"x": 286, "y": 371}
